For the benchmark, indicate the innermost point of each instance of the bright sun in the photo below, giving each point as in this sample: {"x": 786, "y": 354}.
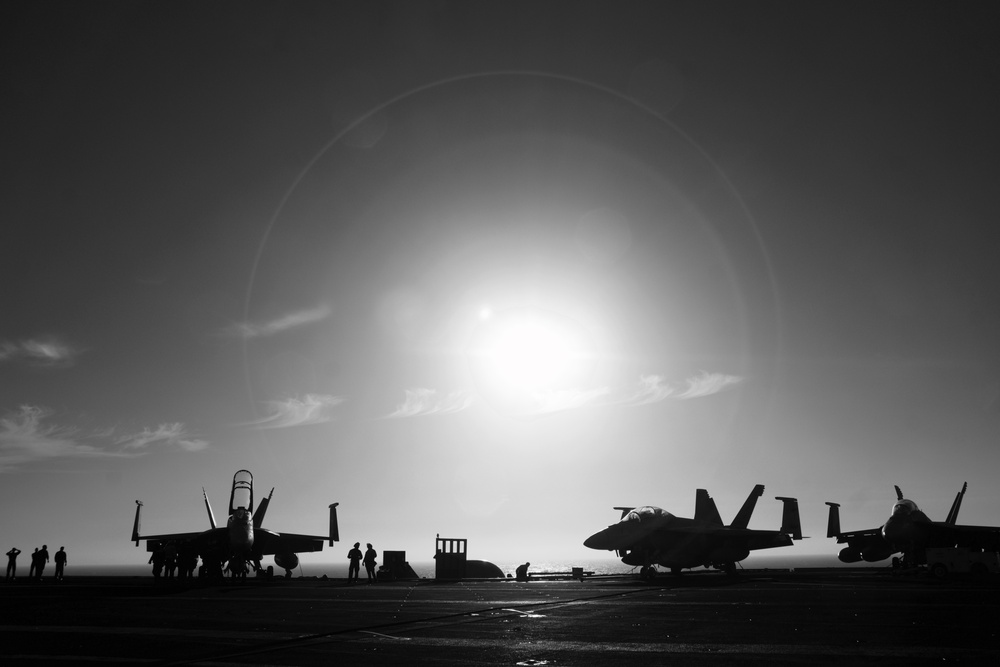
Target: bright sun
{"x": 529, "y": 351}
{"x": 533, "y": 356}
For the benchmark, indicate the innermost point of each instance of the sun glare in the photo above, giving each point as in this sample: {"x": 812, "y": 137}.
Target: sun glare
{"x": 533, "y": 356}
{"x": 529, "y": 352}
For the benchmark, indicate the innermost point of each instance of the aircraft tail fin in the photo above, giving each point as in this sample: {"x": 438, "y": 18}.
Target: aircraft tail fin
{"x": 790, "y": 522}
{"x": 743, "y": 516}
{"x": 258, "y": 517}
{"x": 334, "y": 527}
{"x": 833, "y": 522}
{"x": 899, "y": 494}
{"x": 208, "y": 506}
{"x": 957, "y": 505}
{"x": 705, "y": 509}
{"x": 135, "y": 524}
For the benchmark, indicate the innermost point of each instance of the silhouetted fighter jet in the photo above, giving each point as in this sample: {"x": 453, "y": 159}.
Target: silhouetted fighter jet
{"x": 649, "y": 536}
{"x": 909, "y": 531}
{"x": 244, "y": 541}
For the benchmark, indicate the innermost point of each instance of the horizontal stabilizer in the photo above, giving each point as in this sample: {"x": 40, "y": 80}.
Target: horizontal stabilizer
{"x": 833, "y": 521}
{"x": 790, "y": 523}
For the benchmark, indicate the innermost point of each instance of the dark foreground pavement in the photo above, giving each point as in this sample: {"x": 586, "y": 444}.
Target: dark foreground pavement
{"x": 760, "y": 618}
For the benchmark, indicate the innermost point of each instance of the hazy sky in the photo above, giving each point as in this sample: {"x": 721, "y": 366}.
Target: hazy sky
{"x": 489, "y": 269}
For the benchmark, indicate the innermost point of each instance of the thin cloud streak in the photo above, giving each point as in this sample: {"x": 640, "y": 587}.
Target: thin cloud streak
{"x": 24, "y": 437}
{"x": 48, "y": 352}
{"x": 422, "y": 402}
{"x": 310, "y": 409}
{"x": 653, "y": 388}
{"x": 707, "y": 384}
{"x": 300, "y": 318}
{"x": 173, "y": 434}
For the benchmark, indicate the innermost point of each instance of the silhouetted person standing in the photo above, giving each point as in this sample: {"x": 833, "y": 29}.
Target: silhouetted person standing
{"x": 61, "y": 560}
{"x": 187, "y": 561}
{"x": 43, "y": 558}
{"x": 521, "y": 573}
{"x": 354, "y": 555}
{"x": 12, "y": 563}
{"x": 157, "y": 560}
{"x": 370, "y": 556}
{"x": 34, "y": 564}
{"x": 170, "y": 559}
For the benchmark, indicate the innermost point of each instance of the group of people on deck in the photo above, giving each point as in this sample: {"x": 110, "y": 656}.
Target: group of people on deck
{"x": 355, "y": 558}
{"x": 38, "y": 560}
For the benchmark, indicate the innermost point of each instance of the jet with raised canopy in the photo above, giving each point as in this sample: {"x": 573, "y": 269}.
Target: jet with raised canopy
{"x": 244, "y": 541}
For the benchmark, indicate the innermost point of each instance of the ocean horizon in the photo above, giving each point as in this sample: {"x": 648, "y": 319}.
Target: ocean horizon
{"x": 425, "y": 569}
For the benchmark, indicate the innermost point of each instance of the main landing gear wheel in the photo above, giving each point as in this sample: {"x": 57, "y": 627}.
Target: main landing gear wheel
{"x": 648, "y": 572}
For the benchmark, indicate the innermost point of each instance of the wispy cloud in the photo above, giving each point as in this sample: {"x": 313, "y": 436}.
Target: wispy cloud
{"x": 650, "y": 389}
{"x": 707, "y": 384}
{"x": 299, "y": 318}
{"x": 422, "y": 402}
{"x": 174, "y": 434}
{"x": 41, "y": 352}
{"x": 310, "y": 409}
{"x": 653, "y": 388}
{"x": 26, "y": 436}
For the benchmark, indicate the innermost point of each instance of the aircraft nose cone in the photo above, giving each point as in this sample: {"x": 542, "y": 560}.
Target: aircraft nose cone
{"x": 599, "y": 540}
{"x": 615, "y": 536}
{"x": 897, "y": 530}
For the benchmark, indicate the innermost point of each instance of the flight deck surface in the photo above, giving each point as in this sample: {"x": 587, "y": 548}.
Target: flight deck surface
{"x": 863, "y": 617}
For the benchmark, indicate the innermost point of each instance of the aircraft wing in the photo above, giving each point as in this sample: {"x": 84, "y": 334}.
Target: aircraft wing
{"x": 175, "y": 537}
{"x": 758, "y": 539}
{"x": 854, "y": 538}
{"x": 752, "y": 538}
{"x": 859, "y": 536}
{"x": 980, "y": 537}
{"x": 867, "y": 545}
{"x": 268, "y": 542}
{"x": 207, "y": 541}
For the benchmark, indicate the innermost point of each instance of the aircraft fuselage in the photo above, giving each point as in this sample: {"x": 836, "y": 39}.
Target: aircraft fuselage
{"x": 240, "y": 530}
{"x": 908, "y": 531}
{"x": 243, "y": 540}
{"x": 903, "y": 527}
{"x": 649, "y": 535}
{"x": 692, "y": 551}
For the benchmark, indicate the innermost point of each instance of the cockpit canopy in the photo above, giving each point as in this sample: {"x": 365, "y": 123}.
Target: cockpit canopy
{"x": 646, "y": 513}
{"x": 904, "y": 506}
{"x": 242, "y": 493}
